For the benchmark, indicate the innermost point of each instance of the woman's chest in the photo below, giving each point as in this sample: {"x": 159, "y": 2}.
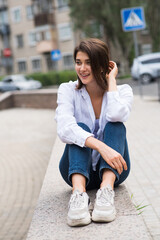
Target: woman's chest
{"x": 97, "y": 106}
{"x": 87, "y": 110}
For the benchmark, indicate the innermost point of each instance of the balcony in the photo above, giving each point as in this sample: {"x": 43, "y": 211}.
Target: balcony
{"x": 46, "y": 46}
{"x": 3, "y": 5}
{"x": 44, "y": 19}
{"x": 4, "y": 29}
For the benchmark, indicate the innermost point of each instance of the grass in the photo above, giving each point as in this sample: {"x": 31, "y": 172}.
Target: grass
{"x": 139, "y": 207}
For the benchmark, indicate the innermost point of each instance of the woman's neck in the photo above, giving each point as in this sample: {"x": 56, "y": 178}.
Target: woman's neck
{"x": 94, "y": 90}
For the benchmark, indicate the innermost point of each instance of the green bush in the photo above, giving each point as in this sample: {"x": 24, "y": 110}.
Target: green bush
{"x": 54, "y": 77}
{"x": 1, "y": 77}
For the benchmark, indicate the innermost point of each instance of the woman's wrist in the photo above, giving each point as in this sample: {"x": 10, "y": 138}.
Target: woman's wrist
{"x": 112, "y": 84}
{"x": 94, "y": 143}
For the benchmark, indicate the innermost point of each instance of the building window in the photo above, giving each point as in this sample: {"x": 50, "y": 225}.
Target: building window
{"x": 47, "y": 35}
{"x": 4, "y": 17}
{"x": 68, "y": 62}
{"x": 62, "y": 4}
{"x": 32, "y": 39}
{"x": 19, "y": 41}
{"x": 22, "y": 66}
{"x": 51, "y": 65}
{"x": 36, "y": 65}
{"x": 16, "y": 14}
{"x": 42, "y": 6}
{"x": 65, "y": 32}
{"x": 38, "y": 36}
{"x": 29, "y": 12}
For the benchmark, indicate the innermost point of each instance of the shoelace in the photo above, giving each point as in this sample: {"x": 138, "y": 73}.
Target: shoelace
{"x": 76, "y": 200}
{"x": 106, "y": 196}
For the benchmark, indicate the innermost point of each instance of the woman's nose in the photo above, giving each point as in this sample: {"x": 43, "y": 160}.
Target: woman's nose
{"x": 83, "y": 66}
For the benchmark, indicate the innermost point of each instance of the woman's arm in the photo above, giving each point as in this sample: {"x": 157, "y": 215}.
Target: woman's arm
{"x": 112, "y": 157}
{"x": 67, "y": 127}
{"x": 111, "y": 77}
{"x": 119, "y": 98}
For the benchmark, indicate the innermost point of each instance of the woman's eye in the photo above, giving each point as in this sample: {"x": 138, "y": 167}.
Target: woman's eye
{"x": 89, "y": 63}
{"x": 78, "y": 63}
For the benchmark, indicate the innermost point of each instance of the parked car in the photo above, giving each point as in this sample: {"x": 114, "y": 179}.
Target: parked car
{"x": 18, "y": 82}
{"x": 146, "y": 67}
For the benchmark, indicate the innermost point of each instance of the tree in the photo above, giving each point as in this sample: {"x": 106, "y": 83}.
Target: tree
{"x": 153, "y": 22}
{"x": 105, "y": 13}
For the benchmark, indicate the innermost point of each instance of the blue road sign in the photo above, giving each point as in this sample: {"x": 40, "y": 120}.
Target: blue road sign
{"x": 56, "y": 55}
{"x": 133, "y": 19}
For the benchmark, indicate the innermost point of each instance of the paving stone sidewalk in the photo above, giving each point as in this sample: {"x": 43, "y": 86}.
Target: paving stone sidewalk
{"x": 144, "y": 143}
{"x": 26, "y": 140}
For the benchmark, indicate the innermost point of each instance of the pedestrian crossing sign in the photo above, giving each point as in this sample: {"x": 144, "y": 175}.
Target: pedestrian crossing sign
{"x": 133, "y": 19}
{"x": 56, "y": 55}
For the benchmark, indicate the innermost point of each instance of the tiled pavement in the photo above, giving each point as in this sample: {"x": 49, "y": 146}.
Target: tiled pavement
{"x": 144, "y": 142}
{"x": 27, "y": 138}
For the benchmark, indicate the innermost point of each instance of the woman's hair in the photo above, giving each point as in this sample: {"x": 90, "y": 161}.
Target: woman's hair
{"x": 98, "y": 54}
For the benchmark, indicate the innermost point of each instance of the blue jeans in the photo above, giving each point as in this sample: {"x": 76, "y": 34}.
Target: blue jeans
{"x": 77, "y": 159}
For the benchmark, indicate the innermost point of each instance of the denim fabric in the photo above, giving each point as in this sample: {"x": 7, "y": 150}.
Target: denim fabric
{"x": 77, "y": 159}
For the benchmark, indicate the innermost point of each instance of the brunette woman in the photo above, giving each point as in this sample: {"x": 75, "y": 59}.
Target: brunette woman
{"x": 90, "y": 116}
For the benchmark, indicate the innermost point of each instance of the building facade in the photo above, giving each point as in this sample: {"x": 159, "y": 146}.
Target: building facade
{"x": 31, "y": 29}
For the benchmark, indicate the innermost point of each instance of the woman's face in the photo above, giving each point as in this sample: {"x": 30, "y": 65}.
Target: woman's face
{"x": 83, "y": 68}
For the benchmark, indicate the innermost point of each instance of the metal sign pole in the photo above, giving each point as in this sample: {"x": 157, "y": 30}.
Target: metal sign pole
{"x": 133, "y": 19}
{"x": 135, "y": 43}
{"x": 136, "y": 55}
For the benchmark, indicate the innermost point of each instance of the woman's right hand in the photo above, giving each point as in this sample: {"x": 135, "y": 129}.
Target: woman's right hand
{"x": 112, "y": 157}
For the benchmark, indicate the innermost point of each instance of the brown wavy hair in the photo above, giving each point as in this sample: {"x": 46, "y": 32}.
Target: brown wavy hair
{"x": 98, "y": 54}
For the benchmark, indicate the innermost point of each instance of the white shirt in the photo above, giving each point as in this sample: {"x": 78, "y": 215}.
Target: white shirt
{"x": 75, "y": 106}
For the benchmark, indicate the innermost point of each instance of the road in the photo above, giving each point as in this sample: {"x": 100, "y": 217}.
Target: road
{"x": 148, "y": 90}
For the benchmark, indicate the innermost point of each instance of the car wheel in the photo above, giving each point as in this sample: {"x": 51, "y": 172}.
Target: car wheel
{"x": 145, "y": 78}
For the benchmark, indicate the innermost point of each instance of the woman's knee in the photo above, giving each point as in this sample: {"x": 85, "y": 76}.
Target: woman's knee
{"x": 119, "y": 125}
{"x": 84, "y": 126}
{"x": 116, "y": 127}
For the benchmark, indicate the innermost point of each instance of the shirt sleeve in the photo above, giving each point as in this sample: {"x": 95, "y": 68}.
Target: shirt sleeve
{"x": 119, "y": 104}
{"x": 67, "y": 127}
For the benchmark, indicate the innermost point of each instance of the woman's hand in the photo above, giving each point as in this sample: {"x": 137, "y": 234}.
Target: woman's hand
{"x": 113, "y": 70}
{"x": 111, "y": 76}
{"x": 113, "y": 158}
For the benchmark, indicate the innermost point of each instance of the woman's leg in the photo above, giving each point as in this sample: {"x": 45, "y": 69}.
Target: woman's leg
{"x": 114, "y": 137}
{"x": 75, "y": 167}
{"x": 75, "y": 164}
{"x": 104, "y": 209}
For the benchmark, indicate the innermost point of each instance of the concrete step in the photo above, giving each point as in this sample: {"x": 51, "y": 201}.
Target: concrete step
{"x": 49, "y": 220}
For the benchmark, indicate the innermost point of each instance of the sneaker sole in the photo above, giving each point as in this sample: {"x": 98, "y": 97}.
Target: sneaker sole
{"x": 79, "y": 222}
{"x": 100, "y": 218}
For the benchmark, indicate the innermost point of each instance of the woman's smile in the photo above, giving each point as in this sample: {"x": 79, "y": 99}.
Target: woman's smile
{"x": 84, "y": 76}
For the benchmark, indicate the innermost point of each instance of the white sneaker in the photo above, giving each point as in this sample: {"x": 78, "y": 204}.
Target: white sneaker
{"x": 78, "y": 214}
{"x": 104, "y": 209}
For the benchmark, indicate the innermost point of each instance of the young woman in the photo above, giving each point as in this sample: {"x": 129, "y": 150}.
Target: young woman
{"x": 90, "y": 116}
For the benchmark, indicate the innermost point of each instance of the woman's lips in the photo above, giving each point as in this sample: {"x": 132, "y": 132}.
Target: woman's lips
{"x": 84, "y": 76}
